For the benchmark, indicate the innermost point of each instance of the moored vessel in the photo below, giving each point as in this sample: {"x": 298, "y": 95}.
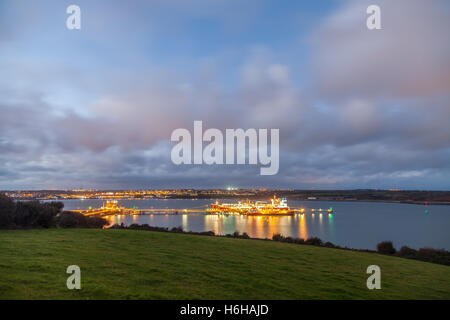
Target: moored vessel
{"x": 276, "y": 206}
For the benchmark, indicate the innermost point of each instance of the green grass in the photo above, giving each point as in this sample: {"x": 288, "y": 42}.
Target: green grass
{"x": 129, "y": 264}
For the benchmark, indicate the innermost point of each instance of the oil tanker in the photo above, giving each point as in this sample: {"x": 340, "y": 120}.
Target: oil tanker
{"x": 276, "y": 206}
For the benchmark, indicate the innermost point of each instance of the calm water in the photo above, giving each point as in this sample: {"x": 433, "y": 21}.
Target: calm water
{"x": 354, "y": 224}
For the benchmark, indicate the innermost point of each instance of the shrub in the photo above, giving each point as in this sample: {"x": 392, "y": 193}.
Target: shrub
{"x": 407, "y": 252}
{"x": 96, "y": 222}
{"x": 69, "y": 219}
{"x": 440, "y": 256}
{"x": 56, "y": 204}
{"x": 328, "y": 244}
{"x": 35, "y": 214}
{"x": 207, "y": 233}
{"x": 177, "y": 229}
{"x": 245, "y": 236}
{"x": 7, "y": 210}
{"x": 289, "y": 240}
{"x": 386, "y": 247}
{"x": 277, "y": 237}
{"x": 314, "y": 241}
{"x": 28, "y": 214}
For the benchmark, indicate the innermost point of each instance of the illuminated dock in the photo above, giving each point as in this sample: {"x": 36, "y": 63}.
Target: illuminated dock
{"x": 112, "y": 208}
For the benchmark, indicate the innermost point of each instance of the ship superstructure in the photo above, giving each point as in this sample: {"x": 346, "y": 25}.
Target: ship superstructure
{"x": 276, "y": 206}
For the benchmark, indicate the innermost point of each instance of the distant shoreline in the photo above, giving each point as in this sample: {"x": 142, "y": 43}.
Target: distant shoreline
{"x": 446, "y": 203}
{"x": 360, "y": 195}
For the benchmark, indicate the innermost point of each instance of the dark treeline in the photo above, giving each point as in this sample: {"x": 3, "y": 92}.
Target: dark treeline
{"x": 438, "y": 256}
{"x": 35, "y": 214}
{"x": 406, "y": 196}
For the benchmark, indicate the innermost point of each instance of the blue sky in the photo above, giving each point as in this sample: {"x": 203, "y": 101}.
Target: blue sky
{"x": 95, "y": 107}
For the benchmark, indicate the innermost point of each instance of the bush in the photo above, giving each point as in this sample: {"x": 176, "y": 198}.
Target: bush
{"x": 236, "y": 234}
{"x": 407, "y": 252}
{"x": 96, "y": 222}
{"x": 28, "y": 214}
{"x": 245, "y": 236}
{"x": 69, "y": 219}
{"x": 56, "y": 204}
{"x": 314, "y": 241}
{"x": 329, "y": 244}
{"x": 206, "y": 233}
{"x": 34, "y": 214}
{"x": 177, "y": 229}
{"x": 440, "y": 256}
{"x": 289, "y": 240}
{"x": 386, "y": 247}
{"x": 7, "y": 210}
{"x": 277, "y": 237}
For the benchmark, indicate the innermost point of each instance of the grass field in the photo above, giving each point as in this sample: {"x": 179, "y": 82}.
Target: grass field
{"x": 129, "y": 264}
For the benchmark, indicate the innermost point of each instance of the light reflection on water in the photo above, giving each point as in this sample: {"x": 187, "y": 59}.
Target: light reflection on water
{"x": 255, "y": 226}
{"x": 303, "y": 231}
{"x": 354, "y": 224}
{"x": 331, "y": 223}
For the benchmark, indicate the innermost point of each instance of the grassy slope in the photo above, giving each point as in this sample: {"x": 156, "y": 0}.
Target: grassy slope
{"x": 128, "y": 264}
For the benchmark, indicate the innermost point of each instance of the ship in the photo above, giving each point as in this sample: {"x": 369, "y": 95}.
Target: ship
{"x": 276, "y": 206}
{"x": 111, "y": 207}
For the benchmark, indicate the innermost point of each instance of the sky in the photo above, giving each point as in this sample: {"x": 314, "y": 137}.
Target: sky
{"x": 95, "y": 107}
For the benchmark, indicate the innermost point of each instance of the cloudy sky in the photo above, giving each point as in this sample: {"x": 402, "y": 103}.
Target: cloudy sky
{"x": 95, "y": 107}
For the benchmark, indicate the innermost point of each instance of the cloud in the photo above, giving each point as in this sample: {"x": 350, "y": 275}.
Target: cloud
{"x": 407, "y": 58}
{"x": 372, "y": 110}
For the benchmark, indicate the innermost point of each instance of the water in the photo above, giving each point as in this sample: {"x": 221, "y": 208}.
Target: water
{"x": 358, "y": 225}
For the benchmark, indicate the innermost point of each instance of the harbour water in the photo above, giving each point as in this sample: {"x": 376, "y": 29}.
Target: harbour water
{"x": 358, "y": 225}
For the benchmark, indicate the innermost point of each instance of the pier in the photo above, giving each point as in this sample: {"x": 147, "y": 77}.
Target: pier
{"x": 112, "y": 208}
